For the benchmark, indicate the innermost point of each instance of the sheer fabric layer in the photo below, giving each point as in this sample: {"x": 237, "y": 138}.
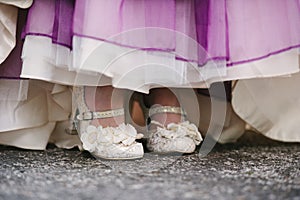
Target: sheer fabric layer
{"x": 191, "y": 43}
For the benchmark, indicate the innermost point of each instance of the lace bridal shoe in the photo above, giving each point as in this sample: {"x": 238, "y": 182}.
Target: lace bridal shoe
{"x": 114, "y": 143}
{"x": 175, "y": 137}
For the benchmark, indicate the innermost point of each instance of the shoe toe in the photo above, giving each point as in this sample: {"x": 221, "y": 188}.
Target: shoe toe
{"x": 184, "y": 145}
{"x": 178, "y": 145}
{"x": 120, "y": 152}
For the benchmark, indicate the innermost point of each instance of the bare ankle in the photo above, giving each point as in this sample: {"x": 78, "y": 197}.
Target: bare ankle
{"x": 162, "y": 96}
{"x": 105, "y": 98}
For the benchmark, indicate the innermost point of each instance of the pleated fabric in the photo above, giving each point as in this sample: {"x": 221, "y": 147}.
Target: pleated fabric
{"x": 144, "y": 44}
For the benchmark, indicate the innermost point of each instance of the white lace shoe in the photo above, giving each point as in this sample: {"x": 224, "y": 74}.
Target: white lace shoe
{"x": 175, "y": 137}
{"x": 114, "y": 143}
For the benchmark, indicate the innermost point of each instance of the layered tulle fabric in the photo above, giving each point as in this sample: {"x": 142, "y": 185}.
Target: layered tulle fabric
{"x": 238, "y": 31}
{"x": 144, "y": 44}
{"x": 33, "y": 112}
{"x": 47, "y": 48}
{"x": 39, "y": 119}
{"x": 52, "y": 19}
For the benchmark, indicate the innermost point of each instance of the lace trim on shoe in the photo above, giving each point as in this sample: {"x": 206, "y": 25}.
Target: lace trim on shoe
{"x": 94, "y": 136}
{"x": 178, "y": 130}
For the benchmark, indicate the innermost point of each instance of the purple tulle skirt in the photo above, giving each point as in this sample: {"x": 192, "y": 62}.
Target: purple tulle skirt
{"x": 144, "y": 44}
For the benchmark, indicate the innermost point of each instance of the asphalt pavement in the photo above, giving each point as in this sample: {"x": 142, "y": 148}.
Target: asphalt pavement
{"x": 244, "y": 170}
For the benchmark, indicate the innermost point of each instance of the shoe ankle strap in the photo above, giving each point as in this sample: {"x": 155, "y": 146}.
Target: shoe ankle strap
{"x": 100, "y": 115}
{"x": 166, "y": 109}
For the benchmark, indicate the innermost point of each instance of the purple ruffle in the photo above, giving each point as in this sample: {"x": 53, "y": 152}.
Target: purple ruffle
{"x": 199, "y": 30}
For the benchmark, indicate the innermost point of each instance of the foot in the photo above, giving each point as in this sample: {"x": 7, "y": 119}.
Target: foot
{"x": 162, "y": 97}
{"x": 103, "y": 99}
{"x": 101, "y": 124}
{"x": 169, "y": 131}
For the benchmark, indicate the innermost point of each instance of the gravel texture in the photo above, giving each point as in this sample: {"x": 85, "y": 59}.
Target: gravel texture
{"x": 234, "y": 171}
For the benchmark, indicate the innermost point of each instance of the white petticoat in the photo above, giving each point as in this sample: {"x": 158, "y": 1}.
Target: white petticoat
{"x": 273, "y": 109}
{"x": 40, "y": 118}
{"x": 136, "y": 70}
